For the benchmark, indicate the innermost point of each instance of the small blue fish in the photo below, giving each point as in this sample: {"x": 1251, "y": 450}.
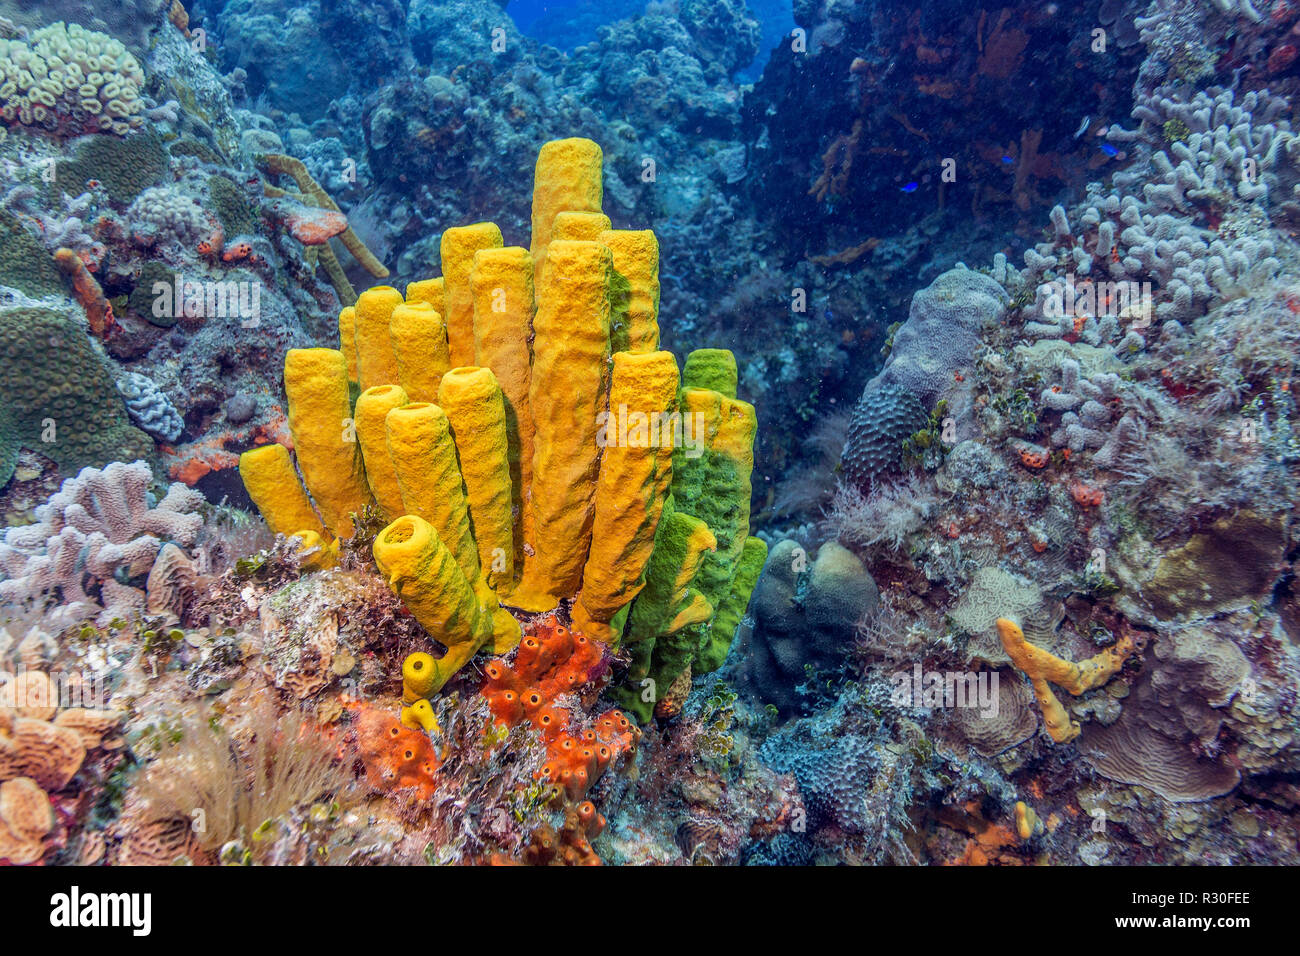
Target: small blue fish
{"x": 1008, "y": 161}
{"x": 1109, "y": 150}
{"x": 909, "y": 188}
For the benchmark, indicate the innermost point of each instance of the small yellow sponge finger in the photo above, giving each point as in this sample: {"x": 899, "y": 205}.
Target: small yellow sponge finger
{"x": 376, "y": 361}
{"x": 432, "y": 291}
{"x": 324, "y": 438}
{"x": 420, "y": 342}
{"x": 272, "y": 483}
{"x": 579, "y": 225}
{"x": 348, "y": 339}
{"x": 634, "y": 299}
{"x": 372, "y": 410}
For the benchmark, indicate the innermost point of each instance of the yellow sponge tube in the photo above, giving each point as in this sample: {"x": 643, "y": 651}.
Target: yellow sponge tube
{"x": 425, "y": 575}
{"x": 320, "y": 420}
{"x": 272, "y": 483}
{"x": 432, "y": 291}
{"x": 376, "y": 361}
{"x": 635, "y": 472}
{"x": 502, "y": 283}
{"x": 634, "y": 297}
{"x": 472, "y": 400}
{"x": 567, "y": 178}
{"x": 420, "y": 343}
{"x": 317, "y": 553}
{"x": 579, "y": 225}
{"x": 372, "y": 409}
{"x": 348, "y": 339}
{"x": 423, "y": 456}
{"x": 568, "y": 391}
{"x": 459, "y": 243}
{"x": 417, "y": 677}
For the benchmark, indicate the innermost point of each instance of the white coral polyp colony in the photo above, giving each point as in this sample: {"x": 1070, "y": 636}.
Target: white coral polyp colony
{"x": 66, "y": 79}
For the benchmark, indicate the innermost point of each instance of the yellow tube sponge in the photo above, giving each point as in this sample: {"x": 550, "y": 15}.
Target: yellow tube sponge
{"x": 634, "y": 295}
{"x": 1044, "y": 668}
{"x": 472, "y": 400}
{"x": 579, "y": 225}
{"x": 376, "y": 361}
{"x": 423, "y": 456}
{"x": 635, "y": 472}
{"x": 420, "y": 343}
{"x": 567, "y": 393}
{"x": 417, "y": 677}
{"x": 420, "y": 716}
{"x": 316, "y": 552}
{"x": 373, "y": 407}
{"x": 425, "y": 575}
{"x": 459, "y": 243}
{"x": 272, "y": 483}
{"x": 502, "y": 283}
{"x": 432, "y": 291}
{"x": 567, "y": 178}
{"x": 324, "y": 438}
{"x": 348, "y": 339}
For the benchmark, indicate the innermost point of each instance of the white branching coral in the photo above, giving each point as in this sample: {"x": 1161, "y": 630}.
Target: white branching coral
{"x": 97, "y": 533}
{"x": 69, "y": 80}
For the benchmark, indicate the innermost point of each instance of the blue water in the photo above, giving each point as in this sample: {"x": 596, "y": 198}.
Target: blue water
{"x": 568, "y": 24}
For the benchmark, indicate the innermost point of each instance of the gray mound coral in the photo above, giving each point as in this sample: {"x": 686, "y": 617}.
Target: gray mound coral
{"x": 805, "y": 616}
{"x": 101, "y": 531}
{"x": 68, "y": 80}
{"x": 149, "y": 408}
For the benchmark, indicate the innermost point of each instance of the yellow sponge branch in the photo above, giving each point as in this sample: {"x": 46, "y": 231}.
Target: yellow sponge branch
{"x": 567, "y": 178}
{"x": 502, "y": 284}
{"x": 634, "y": 322}
{"x": 376, "y": 360}
{"x": 420, "y": 569}
{"x": 272, "y": 483}
{"x": 459, "y": 244}
{"x": 472, "y": 400}
{"x": 1044, "y": 668}
{"x": 423, "y": 456}
{"x": 373, "y": 407}
{"x": 635, "y": 473}
{"x": 324, "y": 438}
{"x": 420, "y": 341}
{"x": 568, "y": 391}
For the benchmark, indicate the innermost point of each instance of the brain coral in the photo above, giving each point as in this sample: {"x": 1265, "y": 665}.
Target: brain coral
{"x": 941, "y": 333}
{"x": 57, "y": 388}
{"x": 68, "y": 80}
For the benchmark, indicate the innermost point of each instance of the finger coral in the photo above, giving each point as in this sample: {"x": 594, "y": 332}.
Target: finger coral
{"x": 100, "y": 526}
